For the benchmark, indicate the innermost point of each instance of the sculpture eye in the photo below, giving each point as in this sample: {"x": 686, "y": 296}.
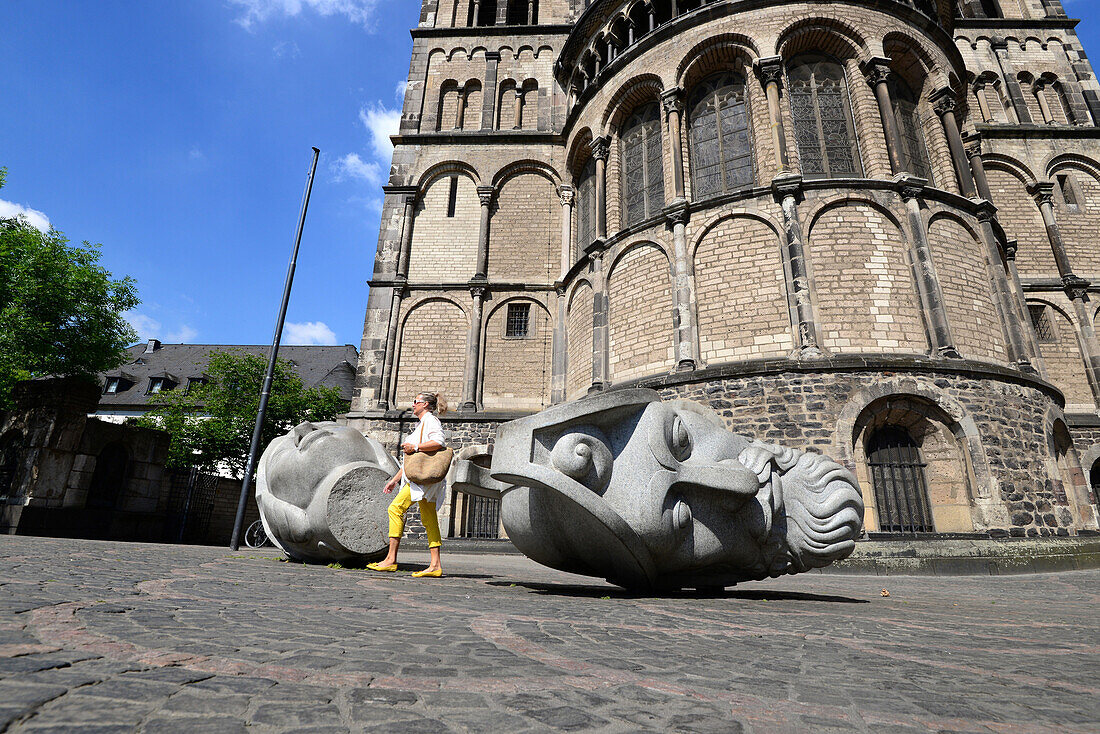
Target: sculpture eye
{"x": 679, "y": 440}
{"x": 584, "y": 456}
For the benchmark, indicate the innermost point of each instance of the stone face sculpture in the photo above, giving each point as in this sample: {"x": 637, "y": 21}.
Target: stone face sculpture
{"x": 661, "y": 495}
{"x": 319, "y": 489}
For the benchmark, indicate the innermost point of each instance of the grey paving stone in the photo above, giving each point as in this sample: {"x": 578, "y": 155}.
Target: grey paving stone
{"x": 193, "y": 725}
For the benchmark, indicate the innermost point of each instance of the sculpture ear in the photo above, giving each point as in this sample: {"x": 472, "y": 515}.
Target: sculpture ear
{"x": 584, "y": 455}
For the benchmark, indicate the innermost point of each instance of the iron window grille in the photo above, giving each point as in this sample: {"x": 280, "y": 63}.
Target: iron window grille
{"x": 1041, "y": 321}
{"x": 898, "y": 478}
{"x": 518, "y": 322}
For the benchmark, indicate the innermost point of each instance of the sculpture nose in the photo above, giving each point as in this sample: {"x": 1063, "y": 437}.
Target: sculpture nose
{"x": 722, "y": 482}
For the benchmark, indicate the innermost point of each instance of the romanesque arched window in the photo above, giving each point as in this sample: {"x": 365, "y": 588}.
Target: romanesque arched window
{"x": 897, "y": 475}
{"x": 523, "y": 12}
{"x": 721, "y": 148}
{"x": 586, "y": 206}
{"x": 11, "y": 454}
{"x": 914, "y": 154}
{"x": 643, "y": 180}
{"x": 822, "y": 117}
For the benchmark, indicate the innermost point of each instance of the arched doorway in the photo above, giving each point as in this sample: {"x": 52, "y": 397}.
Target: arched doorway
{"x": 11, "y": 454}
{"x": 1094, "y": 482}
{"x": 109, "y": 478}
{"x": 898, "y": 479}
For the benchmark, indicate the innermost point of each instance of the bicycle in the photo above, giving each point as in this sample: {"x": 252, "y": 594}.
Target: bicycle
{"x": 256, "y": 536}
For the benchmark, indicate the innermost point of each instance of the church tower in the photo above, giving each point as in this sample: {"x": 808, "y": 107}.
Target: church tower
{"x": 867, "y": 227}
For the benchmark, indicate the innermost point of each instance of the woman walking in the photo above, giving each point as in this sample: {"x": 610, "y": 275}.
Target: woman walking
{"x": 426, "y": 436}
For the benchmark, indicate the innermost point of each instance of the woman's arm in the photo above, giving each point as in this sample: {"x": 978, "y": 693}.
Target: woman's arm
{"x": 392, "y": 484}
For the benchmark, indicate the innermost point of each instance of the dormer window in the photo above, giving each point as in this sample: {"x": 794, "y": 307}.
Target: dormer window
{"x": 194, "y": 383}
{"x": 156, "y": 385}
{"x": 111, "y": 387}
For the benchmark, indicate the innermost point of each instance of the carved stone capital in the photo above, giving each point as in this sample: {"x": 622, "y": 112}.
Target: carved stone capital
{"x": 477, "y": 292}
{"x": 876, "y": 70}
{"x": 1075, "y": 287}
{"x": 596, "y": 249}
{"x": 999, "y": 44}
{"x": 910, "y": 187}
{"x": 1010, "y": 248}
{"x": 973, "y": 145}
{"x": 601, "y": 148}
{"x": 492, "y": 55}
{"x": 486, "y": 194}
{"x": 769, "y": 70}
{"x": 678, "y": 214}
{"x": 1042, "y": 192}
{"x": 673, "y": 100}
{"x": 943, "y": 101}
{"x": 986, "y": 212}
{"x": 412, "y": 199}
{"x": 787, "y": 184}
{"x": 567, "y": 195}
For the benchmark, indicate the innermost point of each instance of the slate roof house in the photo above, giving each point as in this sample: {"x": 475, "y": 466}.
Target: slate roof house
{"x": 155, "y": 367}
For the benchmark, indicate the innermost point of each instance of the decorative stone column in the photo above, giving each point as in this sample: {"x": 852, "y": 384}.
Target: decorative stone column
{"x": 1010, "y": 248}
{"x": 1012, "y": 84}
{"x": 1076, "y": 288}
{"x": 518, "y": 110}
{"x": 652, "y": 12}
{"x": 601, "y": 334}
{"x": 1017, "y": 343}
{"x": 460, "y": 117}
{"x": 683, "y": 294}
{"x": 973, "y": 147}
{"x": 399, "y": 287}
{"x": 559, "y": 355}
{"x": 673, "y": 102}
{"x": 928, "y": 283}
{"x": 566, "y": 195}
{"x": 485, "y": 194}
{"x": 877, "y": 71}
{"x": 943, "y": 101}
{"x": 770, "y": 72}
{"x": 601, "y": 148}
{"x": 1044, "y": 106}
{"x": 472, "y": 374}
{"x": 787, "y": 190}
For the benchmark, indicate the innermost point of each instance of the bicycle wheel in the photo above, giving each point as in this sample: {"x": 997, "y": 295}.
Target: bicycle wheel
{"x": 255, "y": 536}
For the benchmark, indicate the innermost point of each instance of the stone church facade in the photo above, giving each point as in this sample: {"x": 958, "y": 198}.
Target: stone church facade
{"x": 865, "y": 227}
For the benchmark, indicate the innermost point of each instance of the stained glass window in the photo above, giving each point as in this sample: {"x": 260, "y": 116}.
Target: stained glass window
{"x": 721, "y": 148}
{"x": 914, "y": 155}
{"x": 822, "y": 116}
{"x": 586, "y": 206}
{"x": 643, "y": 171}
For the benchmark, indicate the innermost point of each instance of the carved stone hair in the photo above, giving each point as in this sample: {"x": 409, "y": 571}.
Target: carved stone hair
{"x": 436, "y": 402}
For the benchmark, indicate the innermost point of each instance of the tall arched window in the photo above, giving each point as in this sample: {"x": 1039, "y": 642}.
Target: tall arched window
{"x": 643, "y": 170}
{"x": 586, "y": 206}
{"x": 822, "y": 118}
{"x": 897, "y": 475}
{"x": 913, "y": 152}
{"x": 721, "y": 148}
{"x": 11, "y": 453}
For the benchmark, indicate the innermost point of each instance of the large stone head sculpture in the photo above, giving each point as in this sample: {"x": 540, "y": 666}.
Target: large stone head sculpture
{"x": 319, "y": 489}
{"x": 652, "y": 494}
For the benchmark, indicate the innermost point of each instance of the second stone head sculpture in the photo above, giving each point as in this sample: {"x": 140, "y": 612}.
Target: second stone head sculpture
{"x": 661, "y": 495}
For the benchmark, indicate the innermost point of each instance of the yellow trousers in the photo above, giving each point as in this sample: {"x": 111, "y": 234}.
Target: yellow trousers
{"x": 401, "y": 504}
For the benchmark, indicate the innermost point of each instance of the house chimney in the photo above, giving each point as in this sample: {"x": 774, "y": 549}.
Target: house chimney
{"x": 152, "y": 346}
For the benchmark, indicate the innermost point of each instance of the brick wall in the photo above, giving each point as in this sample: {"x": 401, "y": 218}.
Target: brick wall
{"x": 1065, "y": 366}
{"x": 1080, "y": 225}
{"x": 432, "y": 354}
{"x": 864, "y": 289}
{"x": 445, "y": 248}
{"x": 525, "y": 237}
{"x": 741, "y": 293}
{"x": 579, "y": 339}
{"x": 517, "y": 371}
{"x": 640, "y": 293}
{"x": 961, "y": 267}
{"x": 1022, "y": 221}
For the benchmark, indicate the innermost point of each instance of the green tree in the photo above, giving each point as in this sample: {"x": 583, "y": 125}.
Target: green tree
{"x": 211, "y": 424}
{"x": 60, "y": 312}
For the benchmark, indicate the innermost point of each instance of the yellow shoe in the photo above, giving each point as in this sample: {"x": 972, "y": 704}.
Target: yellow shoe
{"x": 376, "y": 567}
{"x": 426, "y": 573}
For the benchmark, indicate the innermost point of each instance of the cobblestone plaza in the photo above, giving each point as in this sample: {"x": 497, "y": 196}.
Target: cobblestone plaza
{"x": 98, "y": 637}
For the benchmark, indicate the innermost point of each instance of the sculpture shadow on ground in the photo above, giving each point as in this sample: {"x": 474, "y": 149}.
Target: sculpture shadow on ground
{"x": 580, "y": 591}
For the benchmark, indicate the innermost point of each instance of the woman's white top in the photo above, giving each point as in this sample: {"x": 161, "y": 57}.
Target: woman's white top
{"x": 427, "y": 430}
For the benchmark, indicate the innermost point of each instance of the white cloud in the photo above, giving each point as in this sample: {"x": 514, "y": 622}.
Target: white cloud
{"x": 310, "y": 333}
{"x": 399, "y": 92}
{"x": 352, "y": 166}
{"x": 258, "y": 11}
{"x": 381, "y": 123}
{"x": 287, "y": 48}
{"x": 35, "y": 218}
{"x": 149, "y": 328}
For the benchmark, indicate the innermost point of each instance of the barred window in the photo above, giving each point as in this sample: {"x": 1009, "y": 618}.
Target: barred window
{"x": 822, "y": 116}
{"x": 643, "y": 169}
{"x": 721, "y": 147}
{"x": 518, "y": 322}
{"x": 1040, "y": 319}
{"x": 914, "y": 154}
{"x": 897, "y": 475}
{"x": 586, "y": 206}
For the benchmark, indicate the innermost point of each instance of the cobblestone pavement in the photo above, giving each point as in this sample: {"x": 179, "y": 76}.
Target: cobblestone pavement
{"x": 106, "y": 637}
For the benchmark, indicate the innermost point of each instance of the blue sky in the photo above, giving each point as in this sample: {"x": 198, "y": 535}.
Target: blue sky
{"x": 178, "y": 135}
